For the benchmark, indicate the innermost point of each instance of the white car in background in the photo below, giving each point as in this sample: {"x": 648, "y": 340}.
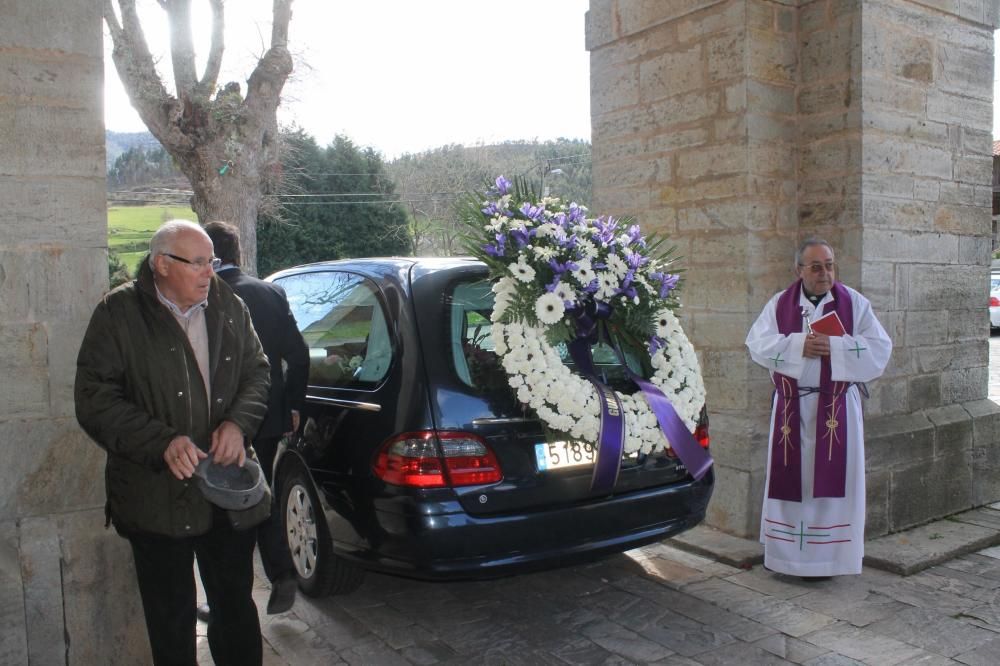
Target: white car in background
{"x": 995, "y": 300}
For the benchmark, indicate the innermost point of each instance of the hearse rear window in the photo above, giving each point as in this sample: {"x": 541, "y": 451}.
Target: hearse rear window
{"x": 476, "y": 362}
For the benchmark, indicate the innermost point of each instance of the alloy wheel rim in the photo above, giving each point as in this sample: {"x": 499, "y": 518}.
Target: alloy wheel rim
{"x": 300, "y": 522}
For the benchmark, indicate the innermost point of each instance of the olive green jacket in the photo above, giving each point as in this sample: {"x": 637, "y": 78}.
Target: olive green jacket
{"x": 138, "y": 387}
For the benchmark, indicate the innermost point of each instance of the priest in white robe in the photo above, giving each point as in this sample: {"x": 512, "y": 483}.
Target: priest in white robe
{"x": 813, "y": 522}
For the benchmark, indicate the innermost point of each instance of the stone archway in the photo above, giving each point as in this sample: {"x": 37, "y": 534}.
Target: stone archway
{"x": 737, "y": 127}
{"x": 67, "y": 591}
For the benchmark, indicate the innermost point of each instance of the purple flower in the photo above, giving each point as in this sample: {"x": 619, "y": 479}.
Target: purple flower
{"x": 636, "y": 260}
{"x": 522, "y": 236}
{"x": 496, "y": 249}
{"x": 503, "y": 185}
{"x": 655, "y": 345}
{"x": 606, "y": 230}
{"x": 667, "y": 282}
{"x": 560, "y": 268}
{"x": 627, "y": 280}
{"x": 635, "y": 235}
{"x": 490, "y": 210}
{"x": 533, "y": 213}
{"x": 575, "y": 213}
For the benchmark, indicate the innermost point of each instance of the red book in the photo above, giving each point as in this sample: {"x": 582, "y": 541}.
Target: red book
{"x": 829, "y": 324}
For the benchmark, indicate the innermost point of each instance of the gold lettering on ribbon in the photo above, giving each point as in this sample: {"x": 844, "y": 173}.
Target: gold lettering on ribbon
{"x": 610, "y": 402}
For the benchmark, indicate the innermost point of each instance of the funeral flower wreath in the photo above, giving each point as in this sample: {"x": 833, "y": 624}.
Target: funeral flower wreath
{"x": 555, "y": 271}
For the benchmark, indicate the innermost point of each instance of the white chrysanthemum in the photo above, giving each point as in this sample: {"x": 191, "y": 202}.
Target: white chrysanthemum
{"x": 564, "y": 292}
{"x": 617, "y": 265}
{"x": 607, "y": 285}
{"x": 586, "y": 248}
{"x": 549, "y": 308}
{"x": 522, "y": 270}
{"x": 568, "y": 402}
{"x": 584, "y": 274}
{"x": 662, "y": 329}
{"x": 545, "y": 230}
{"x": 544, "y": 252}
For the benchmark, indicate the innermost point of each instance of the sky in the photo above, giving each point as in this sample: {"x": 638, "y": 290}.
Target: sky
{"x": 402, "y": 76}
{"x": 409, "y": 75}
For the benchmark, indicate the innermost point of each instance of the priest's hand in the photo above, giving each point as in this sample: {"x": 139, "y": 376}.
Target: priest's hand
{"x": 816, "y": 345}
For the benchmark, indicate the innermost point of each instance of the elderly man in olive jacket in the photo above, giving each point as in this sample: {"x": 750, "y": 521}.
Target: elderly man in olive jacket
{"x": 170, "y": 372}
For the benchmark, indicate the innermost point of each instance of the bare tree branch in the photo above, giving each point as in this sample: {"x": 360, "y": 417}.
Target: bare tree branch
{"x": 208, "y": 82}
{"x": 279, "y": 28}
{"x": 114, "y": 27}
{"x": 137, "y": 69}
{"x": 268, "y": 78}
{"x": 181, "y": 46}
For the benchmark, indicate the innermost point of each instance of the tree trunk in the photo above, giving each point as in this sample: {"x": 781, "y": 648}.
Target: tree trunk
{"x": 226, "y": 145}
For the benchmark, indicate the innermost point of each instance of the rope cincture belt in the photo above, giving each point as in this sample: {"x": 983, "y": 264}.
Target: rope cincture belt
{"x": 806, "y": 390}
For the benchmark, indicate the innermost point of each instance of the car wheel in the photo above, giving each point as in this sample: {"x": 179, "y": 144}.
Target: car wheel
{"x": 319, "y": 571}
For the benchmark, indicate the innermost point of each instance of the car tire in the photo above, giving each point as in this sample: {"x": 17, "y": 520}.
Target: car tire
{"x": 320, "y": 572}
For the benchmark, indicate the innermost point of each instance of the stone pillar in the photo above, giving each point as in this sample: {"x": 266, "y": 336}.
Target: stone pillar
{"x": 739, "y": 127}
{"x": 67, "y": 590}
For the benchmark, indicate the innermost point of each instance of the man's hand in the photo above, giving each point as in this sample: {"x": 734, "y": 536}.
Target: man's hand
{"x": 816, "y": 345}
{"x": 182, "y": 457}
{"x": 227, "y": 444}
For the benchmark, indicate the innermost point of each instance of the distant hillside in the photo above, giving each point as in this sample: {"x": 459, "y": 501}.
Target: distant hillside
{"x": 431, "y": 183}
{"x": 116, "y": 143}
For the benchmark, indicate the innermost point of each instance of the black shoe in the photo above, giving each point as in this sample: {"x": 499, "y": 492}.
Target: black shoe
{"x": 203, "y": 612}
{"x": 282, "y": 595}
{"x": 815, "y": 579}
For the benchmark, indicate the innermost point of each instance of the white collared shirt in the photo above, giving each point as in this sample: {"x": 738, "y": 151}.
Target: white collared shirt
{"x": 193, "y": 324}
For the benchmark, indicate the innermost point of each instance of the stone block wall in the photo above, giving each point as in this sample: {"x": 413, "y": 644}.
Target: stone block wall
{"x": 739, "y": 127}
{"x": 67, "y": 590}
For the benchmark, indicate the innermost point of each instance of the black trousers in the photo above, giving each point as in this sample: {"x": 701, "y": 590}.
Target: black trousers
{"x": 164, "y": 567}
{"x": 271, "y": 539}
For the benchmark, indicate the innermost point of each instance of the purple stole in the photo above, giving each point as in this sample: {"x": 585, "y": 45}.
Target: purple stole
{"x": 830, "y": 470}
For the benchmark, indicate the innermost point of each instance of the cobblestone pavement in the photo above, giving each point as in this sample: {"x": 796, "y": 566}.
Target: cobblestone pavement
{"x": 654, "y": 605}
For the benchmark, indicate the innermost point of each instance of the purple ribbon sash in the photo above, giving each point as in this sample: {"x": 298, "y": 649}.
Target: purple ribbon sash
{"x": 611, "y": 442}
{"x": 830, "y": 466}
{"x": 695, "y": 458}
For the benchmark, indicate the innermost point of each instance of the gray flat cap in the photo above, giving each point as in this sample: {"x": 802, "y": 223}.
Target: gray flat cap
{"x": 230, "y": 486}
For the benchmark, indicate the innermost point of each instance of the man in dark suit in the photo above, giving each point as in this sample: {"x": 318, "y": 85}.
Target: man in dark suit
{"x": 284, "y": 347}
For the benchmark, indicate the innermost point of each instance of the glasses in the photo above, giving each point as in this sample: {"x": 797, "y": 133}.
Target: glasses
{"x": 200, "y": 264}
{"x": 816, "y": 269}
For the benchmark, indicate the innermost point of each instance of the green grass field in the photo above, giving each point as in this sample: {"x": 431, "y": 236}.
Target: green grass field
{"x": 131, "y": 227}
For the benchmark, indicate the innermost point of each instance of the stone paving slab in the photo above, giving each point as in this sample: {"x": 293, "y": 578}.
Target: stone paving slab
{"x": 655, "y": 605}
{"x": 904, "y": 553}
{"x": 917, "y": 549}
{"x": 710, "y": 542}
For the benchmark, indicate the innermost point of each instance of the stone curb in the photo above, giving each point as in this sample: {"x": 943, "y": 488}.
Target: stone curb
{"x": 904, "y": 553}
{"x": 716, "y": 544}
{"x": 916, "y": 549}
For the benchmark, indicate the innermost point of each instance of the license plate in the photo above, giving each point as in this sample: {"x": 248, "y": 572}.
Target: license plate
{"x": 560, "y": 455}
